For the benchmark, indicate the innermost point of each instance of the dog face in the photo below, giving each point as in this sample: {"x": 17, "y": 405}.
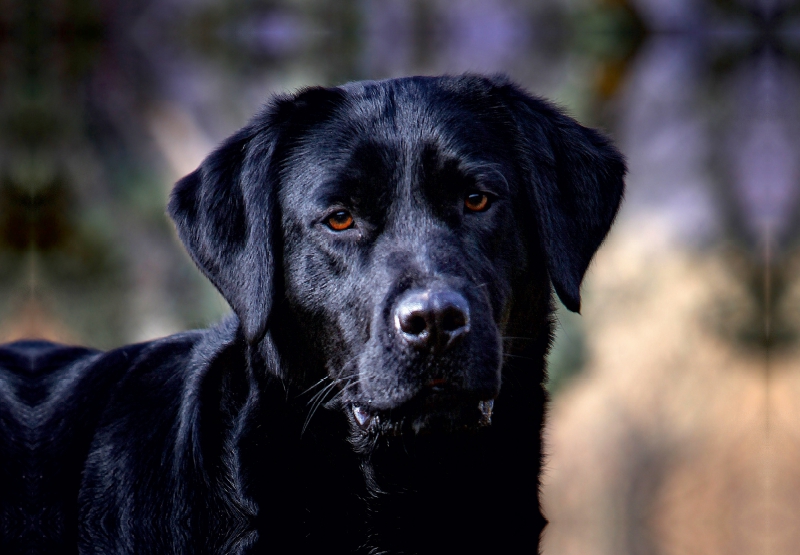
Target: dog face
{"x": 392, "y": 226}
{"x": 400, "y": 246}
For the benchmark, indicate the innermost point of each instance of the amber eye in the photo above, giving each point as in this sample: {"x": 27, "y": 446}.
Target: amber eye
{"x": 339, "y": 221}
{"x": 477, "y": 202}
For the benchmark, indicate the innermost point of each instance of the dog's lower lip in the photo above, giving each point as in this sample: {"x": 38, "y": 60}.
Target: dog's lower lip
{"x": 366, "y": 419}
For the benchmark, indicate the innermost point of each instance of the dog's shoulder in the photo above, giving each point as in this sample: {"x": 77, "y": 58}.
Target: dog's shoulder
{"x": 166, "y": 373}
{"x": 162, "y": 447}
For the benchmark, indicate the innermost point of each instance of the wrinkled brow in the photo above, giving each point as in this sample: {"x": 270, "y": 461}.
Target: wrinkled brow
{"x": 487, "y": 172}
{"x": 338, "y": 191}
{"x": 458, "y": 172}
{"x": 366, "y": 179}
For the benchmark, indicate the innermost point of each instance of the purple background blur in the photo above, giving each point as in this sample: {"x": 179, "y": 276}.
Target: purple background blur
{"x": 675, "y": 423}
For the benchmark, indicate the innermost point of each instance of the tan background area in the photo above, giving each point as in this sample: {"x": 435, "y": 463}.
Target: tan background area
{"x": 675, "y": 440}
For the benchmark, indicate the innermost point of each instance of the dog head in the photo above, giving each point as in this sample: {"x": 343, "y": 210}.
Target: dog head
{"x": 390, "y": 230}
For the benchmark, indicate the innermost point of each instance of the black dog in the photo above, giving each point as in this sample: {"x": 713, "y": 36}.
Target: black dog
{"x": 388, "y": 249}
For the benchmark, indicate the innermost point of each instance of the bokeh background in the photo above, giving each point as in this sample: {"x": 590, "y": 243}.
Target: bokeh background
{"x": 675, "y": 421}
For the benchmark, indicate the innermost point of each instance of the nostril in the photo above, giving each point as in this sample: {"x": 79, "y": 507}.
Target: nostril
{"x": 413, "y": 324}
{"x": 453, "y": 319}
{"x": 451, "y": 312}
{"x": 413, "y": 319}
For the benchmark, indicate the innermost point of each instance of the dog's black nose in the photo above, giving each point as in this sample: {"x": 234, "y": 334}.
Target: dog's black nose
{"x": 432, "y": 319}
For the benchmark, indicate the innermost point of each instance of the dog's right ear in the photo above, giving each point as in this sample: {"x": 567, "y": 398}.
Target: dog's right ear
{"x": 226, "y": 212}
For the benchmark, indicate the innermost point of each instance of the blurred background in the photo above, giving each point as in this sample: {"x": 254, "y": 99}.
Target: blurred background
{"x": 675, "y": 421}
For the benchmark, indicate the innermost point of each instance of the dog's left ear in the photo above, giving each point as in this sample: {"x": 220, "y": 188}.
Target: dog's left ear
{"x": 226, "y": 211}
{"x": 575, "y": 185}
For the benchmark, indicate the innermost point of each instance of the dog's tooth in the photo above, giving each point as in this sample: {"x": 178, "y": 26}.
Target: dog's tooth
{"x": 486, "y": 408}
{"x": 362, "y": 417}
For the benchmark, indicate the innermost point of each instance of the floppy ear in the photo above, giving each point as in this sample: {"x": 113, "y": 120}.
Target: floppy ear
{"x": 575, "y": 186}
{"x": 226, "y": 211}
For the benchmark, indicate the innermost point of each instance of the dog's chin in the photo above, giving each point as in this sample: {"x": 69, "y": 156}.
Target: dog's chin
{"x": 422, "y": 418}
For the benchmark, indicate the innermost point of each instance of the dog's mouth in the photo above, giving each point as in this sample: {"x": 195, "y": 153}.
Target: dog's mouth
{"x": 430, "y": 415}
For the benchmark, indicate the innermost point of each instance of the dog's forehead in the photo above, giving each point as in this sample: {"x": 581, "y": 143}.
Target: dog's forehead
{"x": 382, "y": 134}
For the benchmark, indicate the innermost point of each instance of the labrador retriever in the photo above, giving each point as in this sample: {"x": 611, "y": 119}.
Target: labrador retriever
{"x": 388, "y": 249}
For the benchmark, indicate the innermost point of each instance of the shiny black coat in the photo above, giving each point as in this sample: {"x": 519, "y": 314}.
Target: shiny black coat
{"x": 312, "y": 421}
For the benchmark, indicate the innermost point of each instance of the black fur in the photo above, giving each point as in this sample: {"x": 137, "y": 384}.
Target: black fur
{"x": 308, "y": 422}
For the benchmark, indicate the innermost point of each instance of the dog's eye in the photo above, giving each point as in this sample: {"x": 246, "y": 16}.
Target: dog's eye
{"x": 340, "y": 220}
{"x": 477, "y": 202}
